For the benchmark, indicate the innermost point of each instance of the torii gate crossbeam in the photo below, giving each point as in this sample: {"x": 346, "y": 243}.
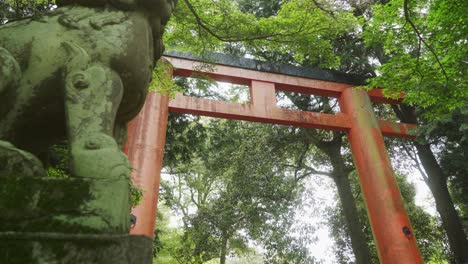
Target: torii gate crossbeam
{"x": 392, "y": 230}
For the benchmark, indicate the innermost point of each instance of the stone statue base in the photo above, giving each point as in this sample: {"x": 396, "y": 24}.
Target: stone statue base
{"x": 56, "y": 220}
{"x": 41, "y": 248}
{"x": 64, "y": 205}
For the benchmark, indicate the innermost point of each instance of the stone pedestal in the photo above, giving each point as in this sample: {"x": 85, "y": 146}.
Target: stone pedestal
{"x": 62, "y": 220}
{"x": 60, "y": 248}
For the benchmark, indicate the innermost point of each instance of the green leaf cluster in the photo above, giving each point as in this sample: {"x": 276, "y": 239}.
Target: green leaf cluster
{"x": 162, "y": 81}
{"x": 298, "y": 28}
{"x": 425, "y": 52}
{"x": 232, "y": 188}
{"x": 17, "y": 9}
{"x": 431, "y": 239}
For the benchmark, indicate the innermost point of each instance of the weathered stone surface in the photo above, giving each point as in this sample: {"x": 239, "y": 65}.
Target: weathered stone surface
{"x": 78, "y": 73}
{"x": 46, "y": 248}
{"x": 69, "y": 205}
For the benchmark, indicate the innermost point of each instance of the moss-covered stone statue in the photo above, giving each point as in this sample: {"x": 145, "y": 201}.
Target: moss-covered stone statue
{"x": 80, "y": 72}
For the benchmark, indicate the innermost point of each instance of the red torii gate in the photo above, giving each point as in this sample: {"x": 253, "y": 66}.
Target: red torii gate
{"x": 392, "y": 230}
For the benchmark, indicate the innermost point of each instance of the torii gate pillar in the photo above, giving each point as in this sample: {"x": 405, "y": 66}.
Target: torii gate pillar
{"x": 392, "y": 230}
{"x": 145, "y": 150}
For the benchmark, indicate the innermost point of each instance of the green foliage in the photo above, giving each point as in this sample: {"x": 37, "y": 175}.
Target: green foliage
{"x": 136, "y": 194}
{"x": 58, "y": 161}
{"x": 260, "y": 8}
{"x": 166, "y": 239}
{"x": 17, "y": 9}
{"x": 233, "y": 187}
{"x": 298, "y": 27}
{"x": 425, "y": 52}
{"x": 56, "y": 173}
{"x": 162, "y": 81}
{"x": 431, "y": 239}
{"x": 450, "y": 136}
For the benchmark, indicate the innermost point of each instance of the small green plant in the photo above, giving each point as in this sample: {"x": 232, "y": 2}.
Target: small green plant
{"x": 162, "y": 81}
{"x": 136, "y": 194}
{"x": 58, "y": 159}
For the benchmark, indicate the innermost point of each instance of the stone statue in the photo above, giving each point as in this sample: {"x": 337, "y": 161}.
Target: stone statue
{"x": 80, "y": 72}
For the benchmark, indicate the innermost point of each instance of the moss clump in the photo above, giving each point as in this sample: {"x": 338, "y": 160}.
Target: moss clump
{"x": 136, "y": 194}
{"x": 58, "y": 160}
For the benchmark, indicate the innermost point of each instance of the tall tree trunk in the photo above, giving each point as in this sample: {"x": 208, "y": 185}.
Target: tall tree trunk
{"x": 358, "y": 241}
{"x": 340, "y": 177}
{"x": 222, "y": 257}
{"x": 437, "y": 183}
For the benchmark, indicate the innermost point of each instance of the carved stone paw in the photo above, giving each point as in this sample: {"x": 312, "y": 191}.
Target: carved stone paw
{"x": 98, "y": 159}
{"x": 98, "y": 156}
{"x": 18, "y": 163}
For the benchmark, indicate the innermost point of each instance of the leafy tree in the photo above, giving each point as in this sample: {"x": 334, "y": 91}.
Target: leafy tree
{"x": 298, "y": 26}
{"x": 418, "y": 44}
{"x": 449, "y": 141}
{"x": 330, "y": 146}
{"x": 425, "y": 49}
{"x": 240, "y": 189}
{"x": 430, "y": 236}
{"x": 167, "y": 239}
{"x": 17, "y": 9}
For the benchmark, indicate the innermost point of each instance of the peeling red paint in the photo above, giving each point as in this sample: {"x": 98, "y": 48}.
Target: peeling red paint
{"x": 145, "y": 149}
{"x": 385, "y": 206}
{"x": 397, "y": 130}
{"x": 263, "y": 109}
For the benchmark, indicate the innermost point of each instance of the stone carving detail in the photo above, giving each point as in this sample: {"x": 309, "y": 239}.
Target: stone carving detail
{"x": 80, "y": 72}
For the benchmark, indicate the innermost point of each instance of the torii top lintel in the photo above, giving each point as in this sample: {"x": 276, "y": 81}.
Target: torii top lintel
{"x": 264, "y": 79}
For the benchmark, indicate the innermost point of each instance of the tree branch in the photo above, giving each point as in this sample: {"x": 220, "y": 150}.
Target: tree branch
{"x": 418, "y": 33}
{"x": 313, "y": 171}
{"x": 416, "y": 161}
{"x": 204, "y": 25}
{"x": 319, "y": 6}
{"x": 301, "y": 160}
